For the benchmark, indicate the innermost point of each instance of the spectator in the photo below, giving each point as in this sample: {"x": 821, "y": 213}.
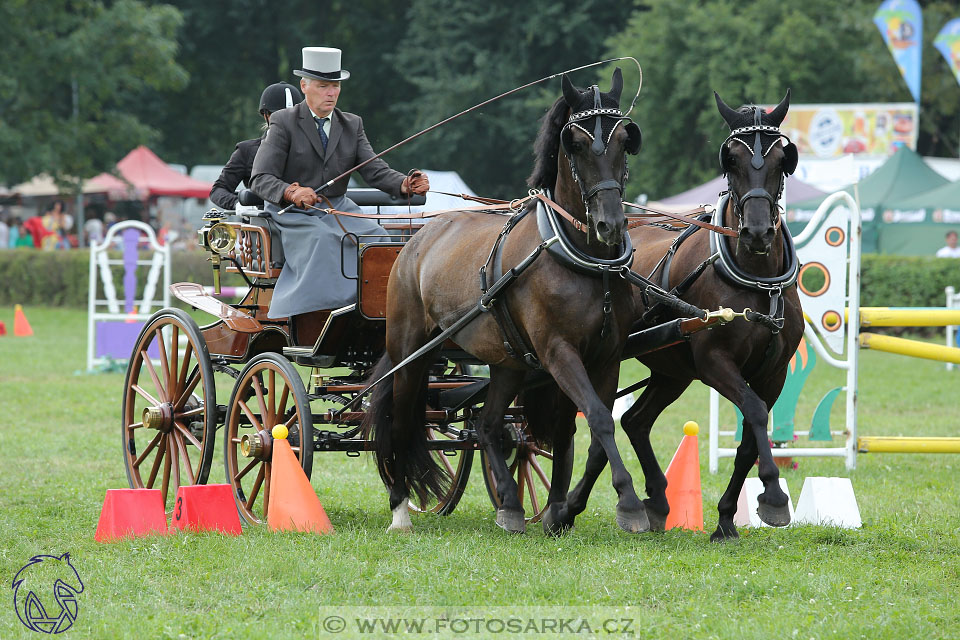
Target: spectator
{"x": 23, "y": 237}
{"x": 53, "y": 222}
{"x": 4, "y": 230}
{"x": 94, "y": 230}
{"x": 951, "y": 250}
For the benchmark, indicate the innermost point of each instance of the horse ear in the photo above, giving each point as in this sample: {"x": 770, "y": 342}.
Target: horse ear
{"x": 790, "y": 159}
{"x": 729, "y": 115}
{"x": 779, "y": 112}
{"x": 570, "y": 93}
{"x": 724, "y": 157}
{"x": 616, "y": 85}
{"x": 634, "y": 138}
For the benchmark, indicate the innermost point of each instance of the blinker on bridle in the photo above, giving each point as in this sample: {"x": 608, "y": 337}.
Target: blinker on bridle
{"x": 598, "y": 145}
{"x": 756, "y": 161}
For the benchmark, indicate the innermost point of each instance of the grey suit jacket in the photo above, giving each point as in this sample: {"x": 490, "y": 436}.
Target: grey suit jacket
{"x": 292, "y": 152}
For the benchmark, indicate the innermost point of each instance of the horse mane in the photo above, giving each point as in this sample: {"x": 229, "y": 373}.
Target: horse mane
{"x": 547, "y": 146}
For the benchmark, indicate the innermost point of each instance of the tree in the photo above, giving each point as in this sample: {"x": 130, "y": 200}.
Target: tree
{"x": 69, "y": 66}
{"x": 459, "y": 53}
{"x": 751, "y": 52}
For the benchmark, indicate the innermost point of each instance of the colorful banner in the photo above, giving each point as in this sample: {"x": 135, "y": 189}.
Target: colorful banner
{"x": 948, "y": 42}
{"x": 901, "y": 24}
{"x": 834, "y": 130}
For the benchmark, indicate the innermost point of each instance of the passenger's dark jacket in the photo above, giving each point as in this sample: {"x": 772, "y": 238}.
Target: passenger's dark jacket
{"x": 237, "y": 170}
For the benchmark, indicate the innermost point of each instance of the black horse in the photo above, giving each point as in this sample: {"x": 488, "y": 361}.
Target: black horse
{"x": 746, "y": 362}
{"x": 571, "y": 323}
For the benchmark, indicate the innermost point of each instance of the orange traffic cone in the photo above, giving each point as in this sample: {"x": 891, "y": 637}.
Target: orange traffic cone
{"x": 294, "y": 505}
{"x": 3, "y": 329}
{"x": 20, "y": 325}
{"x": 683, "y": 483}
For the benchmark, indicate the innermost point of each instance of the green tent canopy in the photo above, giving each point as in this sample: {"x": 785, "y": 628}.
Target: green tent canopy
{"x": 903, "y": 175}
{"x": 921, "y": 221}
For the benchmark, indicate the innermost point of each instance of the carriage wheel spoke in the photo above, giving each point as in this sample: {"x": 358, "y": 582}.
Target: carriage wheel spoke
{"x": 146, "y": 396}
{"x": 282, "y": 402}
{"x": 182, "y": 448}
{"x": 446, "y": 463}
{"x": 175, "y": 462}
{"x": 184, "y": 432}
{"x": 166, "y": 469}
{"x": 153, "y": 443}
{"x": 540, "y": 452}
{"x": 174, "y": 353}
{"x": 272, "y": 394}
{"x": 528, "y": 478}
{"x": 156, "y": 462}
{"x": 193, "y": 412}
{"x": 254, "y": 422}
{"x": 246, "y": 469}
{"x": 161, "y": 389}
{"x": 258, "y": 388}
{"x": 164, "y": 363}
{"x": 266, "y": 489}
{"x": 536, "y": 467}
{"x": 255, "y": 489}
{"x": 521, "y": 470}
{"x": 192, "y": 383}
{"x": 187, "y": 354}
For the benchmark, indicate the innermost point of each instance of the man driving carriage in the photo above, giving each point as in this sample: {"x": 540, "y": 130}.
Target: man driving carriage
{"x": 306, "y": 146}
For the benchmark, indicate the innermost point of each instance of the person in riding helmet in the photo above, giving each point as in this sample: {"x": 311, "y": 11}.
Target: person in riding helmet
{"x": 274, "y": 98}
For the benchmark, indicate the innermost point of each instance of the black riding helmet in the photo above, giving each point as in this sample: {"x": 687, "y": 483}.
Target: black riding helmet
{"x": 279, "y": 96}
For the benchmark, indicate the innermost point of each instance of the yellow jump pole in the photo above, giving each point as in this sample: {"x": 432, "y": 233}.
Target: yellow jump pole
{"x": 911, "y": 348}
{"x": 890, "y": 444}
{"x": 907, "y": 316}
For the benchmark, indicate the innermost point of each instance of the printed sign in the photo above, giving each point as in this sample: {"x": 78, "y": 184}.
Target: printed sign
{"x": 901, "y": 25}
{"x": 834, "y": 130}
{"x": 948, "y": 43}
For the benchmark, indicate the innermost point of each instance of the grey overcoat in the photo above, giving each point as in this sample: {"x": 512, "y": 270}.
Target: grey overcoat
{"x": 311, "y": 277}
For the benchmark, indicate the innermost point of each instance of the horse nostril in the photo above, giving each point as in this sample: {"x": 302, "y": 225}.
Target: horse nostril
{"x": 603, "y": 228}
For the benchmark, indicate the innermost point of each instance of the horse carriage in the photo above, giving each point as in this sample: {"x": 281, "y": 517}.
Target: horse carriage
{"x": 312, "y": 373}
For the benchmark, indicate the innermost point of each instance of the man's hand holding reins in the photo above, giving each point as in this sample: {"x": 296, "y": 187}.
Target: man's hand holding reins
{"x": 303, "y": 197}
{"x": 417, "y": 183}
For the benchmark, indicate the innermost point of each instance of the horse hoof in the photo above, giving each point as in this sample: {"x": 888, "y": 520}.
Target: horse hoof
{"x": 728, "y": 535}
{"x": 658, "y": 521}
{"x": 633, "y": 521}
{"x": 512, "y": 521}
{"x": 774, "y": 516}
{"x": 554, "y": 525}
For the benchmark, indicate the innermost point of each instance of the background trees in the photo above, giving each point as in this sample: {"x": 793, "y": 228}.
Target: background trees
{"x": 185, "y": 77}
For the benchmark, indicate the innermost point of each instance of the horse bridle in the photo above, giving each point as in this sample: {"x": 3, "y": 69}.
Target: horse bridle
{"x": 598, "y": 145}
{"x": 756, "y": 161}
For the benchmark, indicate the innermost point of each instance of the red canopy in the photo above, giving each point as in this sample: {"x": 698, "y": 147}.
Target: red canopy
{"x": 152, "y": 176}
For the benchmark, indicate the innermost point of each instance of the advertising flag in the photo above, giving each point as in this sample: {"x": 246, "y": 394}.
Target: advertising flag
{"x": 948, "y": 42}
{"x": 901, "y": 24}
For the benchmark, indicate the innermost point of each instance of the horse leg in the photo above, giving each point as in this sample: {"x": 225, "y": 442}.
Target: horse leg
{"x": 773, "y": 509}
{"x": 557, "y": 518}
{"x": 637, "y": 423}
{"x": 567, "y": 369}
{"x": 504, "y": 383}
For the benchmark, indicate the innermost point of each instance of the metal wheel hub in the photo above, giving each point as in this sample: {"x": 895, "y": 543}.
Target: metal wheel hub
{"x": 257, "y": 445}
{"x": 159, "y": 417}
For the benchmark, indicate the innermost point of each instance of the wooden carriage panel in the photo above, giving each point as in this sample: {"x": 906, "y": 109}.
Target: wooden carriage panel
{"x": 253, "y": 251}
{"x": 376, "y": 261}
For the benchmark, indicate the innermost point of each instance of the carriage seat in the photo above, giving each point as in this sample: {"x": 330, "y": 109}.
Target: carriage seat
{"x": 249, "y": 199}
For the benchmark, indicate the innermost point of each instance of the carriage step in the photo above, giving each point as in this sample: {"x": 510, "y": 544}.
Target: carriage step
{"x": 305, "y": 356}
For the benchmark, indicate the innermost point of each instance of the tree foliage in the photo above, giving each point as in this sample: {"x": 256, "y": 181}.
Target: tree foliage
{"x": 751, "y": 52}
{"x": 69, "y": 66}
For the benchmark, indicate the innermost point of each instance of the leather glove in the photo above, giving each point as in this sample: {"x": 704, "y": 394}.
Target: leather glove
{"x": 416, "y": 183}
{"x": 303, "y": 197}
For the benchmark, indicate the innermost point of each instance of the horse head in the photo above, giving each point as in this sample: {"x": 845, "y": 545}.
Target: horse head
{"x": 595, "y": 139}
{"x": 756, "y": 167}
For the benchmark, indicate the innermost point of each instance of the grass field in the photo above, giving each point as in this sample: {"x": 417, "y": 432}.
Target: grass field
{"x": 897, "y": 577}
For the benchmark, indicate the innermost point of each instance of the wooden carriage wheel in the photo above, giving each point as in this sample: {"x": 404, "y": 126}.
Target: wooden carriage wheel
{"x": 169, "y": 414}
{"x": 458, "y": 464}
{"x": 529, "y": 464}
{"x": 268, "y": 392}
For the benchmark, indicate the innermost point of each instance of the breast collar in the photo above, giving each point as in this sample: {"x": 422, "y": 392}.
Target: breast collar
{"x": 568, "y": 255}
{"x": 728, "y": 269}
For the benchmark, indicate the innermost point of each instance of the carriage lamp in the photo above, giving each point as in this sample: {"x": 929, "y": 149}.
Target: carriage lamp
{"x": 220, "y": 239}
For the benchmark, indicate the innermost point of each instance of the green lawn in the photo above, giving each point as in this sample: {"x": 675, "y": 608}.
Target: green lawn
{"x": 897, "y": 577}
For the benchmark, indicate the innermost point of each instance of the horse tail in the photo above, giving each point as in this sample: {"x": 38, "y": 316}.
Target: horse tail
{"x": 402, "y": 455}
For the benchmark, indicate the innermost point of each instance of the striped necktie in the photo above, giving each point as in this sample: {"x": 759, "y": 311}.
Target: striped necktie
{"x": 320, "y": 130}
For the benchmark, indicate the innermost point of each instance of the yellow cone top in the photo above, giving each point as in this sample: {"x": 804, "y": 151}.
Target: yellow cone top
{"x": 691, "y": 428}
{"x": 280, "y": 432}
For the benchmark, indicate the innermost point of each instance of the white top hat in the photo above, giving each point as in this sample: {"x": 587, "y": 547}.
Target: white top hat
{"x": 322, "y": 63}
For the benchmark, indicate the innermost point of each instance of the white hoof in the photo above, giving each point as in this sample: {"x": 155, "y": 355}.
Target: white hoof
{"x": 401, "y": 519}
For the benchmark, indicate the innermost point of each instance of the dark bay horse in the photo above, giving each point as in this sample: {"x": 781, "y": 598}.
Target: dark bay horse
{"x": 572, "y": 324}
{"x": 746, "y": 362}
